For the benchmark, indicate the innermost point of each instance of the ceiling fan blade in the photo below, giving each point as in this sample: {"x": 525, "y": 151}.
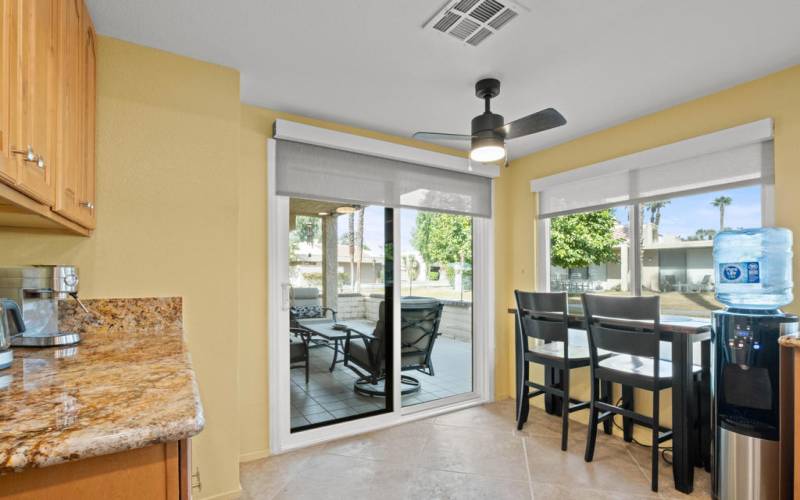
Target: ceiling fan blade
{"x": 537, "y": 122}
{"x": 438, "y": 136}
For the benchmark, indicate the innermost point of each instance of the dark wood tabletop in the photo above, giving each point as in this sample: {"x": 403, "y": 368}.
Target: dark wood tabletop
{"x": 669, "y": 323}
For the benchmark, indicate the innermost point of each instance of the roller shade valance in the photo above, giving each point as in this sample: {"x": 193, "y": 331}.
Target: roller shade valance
{"x": 735, "y": 156}
{"x": 318, "y": 172}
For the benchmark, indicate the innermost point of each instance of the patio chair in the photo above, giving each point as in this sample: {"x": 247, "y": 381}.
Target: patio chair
{"x": 298, "y": 350}
{"x": 669, "y": 283}
{"x": 705, "y": 284}
{"x": 306, "y": 303}
{"x": 365, "y": 353}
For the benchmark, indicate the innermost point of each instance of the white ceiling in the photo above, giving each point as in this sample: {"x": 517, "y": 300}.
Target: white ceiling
{"x": 370, "y": 64}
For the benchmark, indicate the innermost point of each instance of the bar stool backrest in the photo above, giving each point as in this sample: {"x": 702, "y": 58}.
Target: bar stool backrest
{"x": 543, "y": 316}
{"x": 624, "y": 325}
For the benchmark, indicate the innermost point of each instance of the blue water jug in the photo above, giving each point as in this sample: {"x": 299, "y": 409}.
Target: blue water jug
{"x": 753, "y": 268}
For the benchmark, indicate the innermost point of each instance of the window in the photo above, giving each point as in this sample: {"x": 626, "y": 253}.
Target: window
{"x": 644, "y": 224}
{"x": 677, "y": 237}
{"x": 590, "y": 252}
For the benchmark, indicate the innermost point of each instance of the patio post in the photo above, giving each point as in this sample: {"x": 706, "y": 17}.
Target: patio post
{"x": 330, "y": 261}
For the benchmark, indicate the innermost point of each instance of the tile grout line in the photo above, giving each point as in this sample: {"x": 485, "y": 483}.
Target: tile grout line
{"x": 638, "y": 466}
{"x": 527, "y": 466}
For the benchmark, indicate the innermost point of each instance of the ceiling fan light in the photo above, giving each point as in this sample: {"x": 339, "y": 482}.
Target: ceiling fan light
{"x": 487, "y": 149}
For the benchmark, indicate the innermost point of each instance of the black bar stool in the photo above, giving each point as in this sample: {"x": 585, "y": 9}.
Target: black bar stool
{"x": 544, "y": 316}
{"x": 630, "y": 328}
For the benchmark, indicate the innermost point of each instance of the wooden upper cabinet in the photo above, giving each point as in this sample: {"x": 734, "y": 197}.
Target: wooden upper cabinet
{"x": 47, "y": 112}
{"x": 7, "y": 167}
{"x": 86, "y": 198}
{"x": 32, "y": 96}
{"x": 75, "y": 192}
{"x": 70, "y": 109}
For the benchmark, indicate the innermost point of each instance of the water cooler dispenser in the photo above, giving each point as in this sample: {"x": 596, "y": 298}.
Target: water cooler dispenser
{"x": 753, "y": 276}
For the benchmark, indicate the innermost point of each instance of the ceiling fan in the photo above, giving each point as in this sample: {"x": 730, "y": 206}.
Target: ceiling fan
{"x": 488, "y": 132}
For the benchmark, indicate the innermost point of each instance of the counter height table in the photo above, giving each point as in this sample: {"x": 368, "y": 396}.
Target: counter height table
{"x": 691, "y": 446}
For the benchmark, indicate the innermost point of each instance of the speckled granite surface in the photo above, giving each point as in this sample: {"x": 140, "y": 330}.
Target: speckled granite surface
{"x": 790, "y": 341}
{"x": 128, "y": 384}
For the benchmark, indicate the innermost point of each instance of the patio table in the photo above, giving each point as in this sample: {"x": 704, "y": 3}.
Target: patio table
{"x": 690, "y": 446}
{"x": 324, "y": 328}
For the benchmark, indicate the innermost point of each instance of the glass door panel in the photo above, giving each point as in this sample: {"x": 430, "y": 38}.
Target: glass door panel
{"x": 436, "y": 314}
{"x": 340, "y": 269}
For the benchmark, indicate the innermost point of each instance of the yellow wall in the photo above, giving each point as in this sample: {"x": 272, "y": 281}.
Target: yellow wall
{"x": 167, "y": 189}
{"x": 776, "y": 96}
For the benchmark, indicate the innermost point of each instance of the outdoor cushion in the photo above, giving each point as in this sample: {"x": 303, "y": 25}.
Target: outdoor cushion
{"x": 301, "y": 312}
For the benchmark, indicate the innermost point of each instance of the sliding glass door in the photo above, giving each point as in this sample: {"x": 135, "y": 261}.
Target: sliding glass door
{"x": 340, "y": 311}
{"x": 436, "y": 287}
{"x": 375, "y": 265}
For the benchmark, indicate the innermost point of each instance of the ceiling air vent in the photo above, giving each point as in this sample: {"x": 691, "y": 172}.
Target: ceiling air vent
{"x": 473, "y": 21}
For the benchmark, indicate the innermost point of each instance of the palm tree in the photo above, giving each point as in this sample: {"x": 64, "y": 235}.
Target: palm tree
{"x": 722, "y": 202}
{"x": 359, "y": 247}
{"x": 351, "y": 243}
{"x": 655, "y": 215}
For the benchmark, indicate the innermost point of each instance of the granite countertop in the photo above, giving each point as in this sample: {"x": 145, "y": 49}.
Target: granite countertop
{"x": 128, "y": 384}
{"x": 792, "y": 340}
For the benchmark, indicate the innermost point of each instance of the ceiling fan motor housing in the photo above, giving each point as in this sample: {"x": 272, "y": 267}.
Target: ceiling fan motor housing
{"x": 484, "y": 130}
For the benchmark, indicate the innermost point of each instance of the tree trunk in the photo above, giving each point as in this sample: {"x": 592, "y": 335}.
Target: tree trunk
{"x": 721, "y": 217}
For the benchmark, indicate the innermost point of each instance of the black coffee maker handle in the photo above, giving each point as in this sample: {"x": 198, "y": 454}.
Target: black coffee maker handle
{"x": 13, "y": 309}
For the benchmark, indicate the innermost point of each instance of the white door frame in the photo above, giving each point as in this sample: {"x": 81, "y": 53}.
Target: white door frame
{"x": 281, "y": 437}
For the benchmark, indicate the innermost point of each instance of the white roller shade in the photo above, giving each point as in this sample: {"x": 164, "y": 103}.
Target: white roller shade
{"x": 310, "y": 171}
{"x": 735, "y": 156}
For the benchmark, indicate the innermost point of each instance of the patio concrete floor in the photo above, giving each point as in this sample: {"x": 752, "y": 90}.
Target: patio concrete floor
{"x": 330, "y": 395}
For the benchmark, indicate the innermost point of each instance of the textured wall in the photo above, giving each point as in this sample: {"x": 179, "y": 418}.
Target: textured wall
{"x": 167, "y": 188}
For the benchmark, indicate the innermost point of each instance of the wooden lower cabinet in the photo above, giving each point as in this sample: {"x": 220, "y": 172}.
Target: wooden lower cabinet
{"x": 155, "y": 472}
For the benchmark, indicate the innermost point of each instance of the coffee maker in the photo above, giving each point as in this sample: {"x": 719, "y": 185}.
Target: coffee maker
{"x": 37, "y": 290}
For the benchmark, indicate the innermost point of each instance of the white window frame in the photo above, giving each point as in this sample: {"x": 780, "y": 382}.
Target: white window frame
{"x": 281, "y": 437}
{"x": 542, "y": 229}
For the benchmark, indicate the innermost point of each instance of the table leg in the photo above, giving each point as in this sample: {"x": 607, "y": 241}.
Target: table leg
{"x": 552, "y": 378}
{"x": 335, "y": 354}
{"x": 627, "y": 423}
{"x": 683, "y": 403}
{"x": 705, "y": 407}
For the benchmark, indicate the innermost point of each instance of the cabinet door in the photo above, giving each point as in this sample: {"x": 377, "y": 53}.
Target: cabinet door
{"x": 70, "y": 109}
{"x": 8, "y": 29}
{"x": 32, "y": 96}
{"x": 86, "y": 199}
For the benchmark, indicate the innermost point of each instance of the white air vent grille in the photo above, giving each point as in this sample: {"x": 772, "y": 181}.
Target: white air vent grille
{"x": 473, "y": 21}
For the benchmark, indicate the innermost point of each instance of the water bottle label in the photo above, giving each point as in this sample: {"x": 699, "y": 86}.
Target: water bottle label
{"x": 739, "y": 272}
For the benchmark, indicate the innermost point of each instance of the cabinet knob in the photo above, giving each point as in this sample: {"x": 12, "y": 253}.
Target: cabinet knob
{"x": 40, "y": 163}
{"x": 87, "y": 204}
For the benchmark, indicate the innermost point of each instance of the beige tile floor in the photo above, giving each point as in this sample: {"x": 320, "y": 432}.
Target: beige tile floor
{"x": 470, "y": 454}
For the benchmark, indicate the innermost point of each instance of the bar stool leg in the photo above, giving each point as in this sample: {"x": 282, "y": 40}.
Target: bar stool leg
{"x": 654, "y": 449}
{"x": 523, "y": 401}
{"x": 592, "y": 437}
{"x": 606, "y": 396}
{"x": 565, "y": 410}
